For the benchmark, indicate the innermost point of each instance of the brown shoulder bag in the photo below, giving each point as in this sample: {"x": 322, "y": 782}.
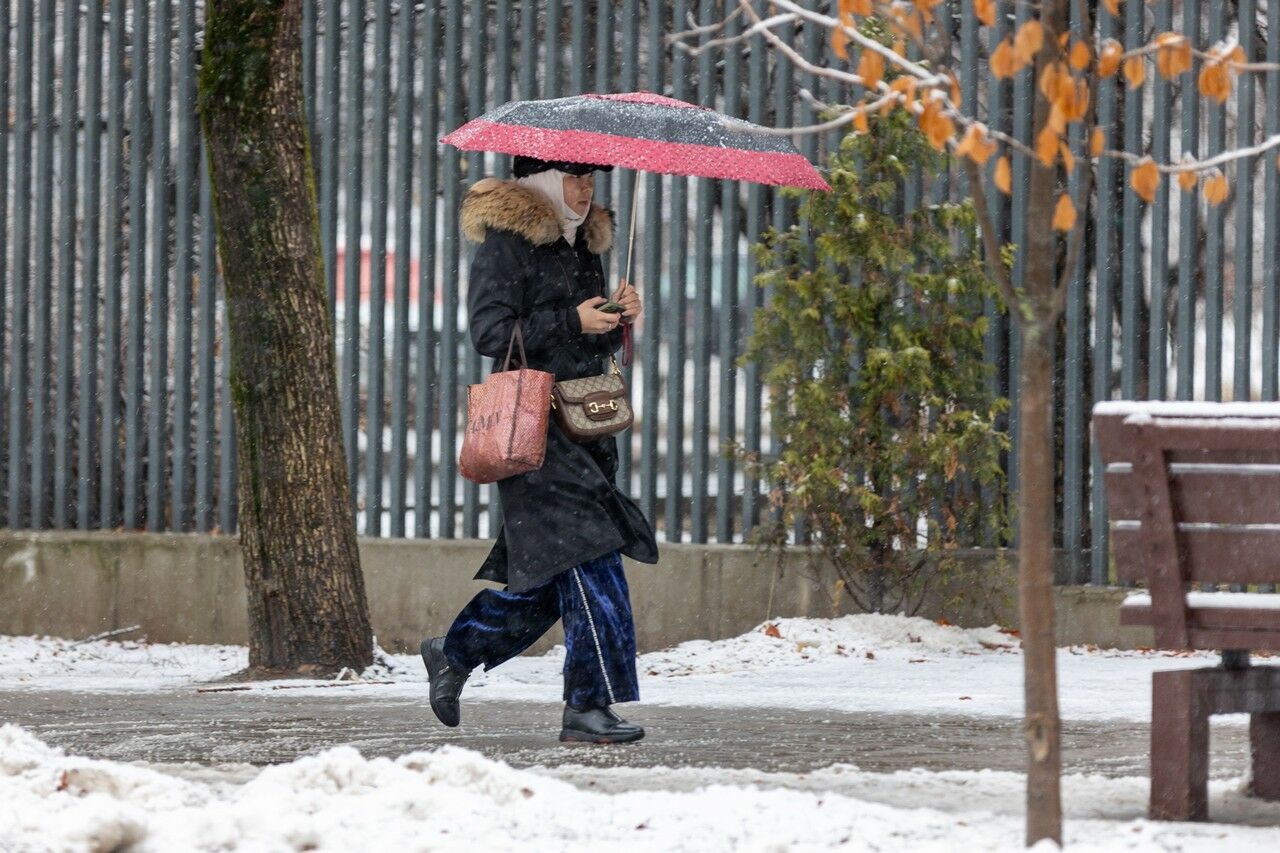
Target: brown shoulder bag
{"x": 592, "y": 407}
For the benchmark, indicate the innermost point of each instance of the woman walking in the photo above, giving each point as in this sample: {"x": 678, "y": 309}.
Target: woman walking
{"x": 565, "y": 524}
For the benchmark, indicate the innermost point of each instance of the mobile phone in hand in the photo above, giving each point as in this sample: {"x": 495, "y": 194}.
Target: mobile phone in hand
{"x": 611, "y": 307}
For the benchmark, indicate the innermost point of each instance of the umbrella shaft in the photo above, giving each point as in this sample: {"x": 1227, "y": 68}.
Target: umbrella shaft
{"x": 631, "y": 240}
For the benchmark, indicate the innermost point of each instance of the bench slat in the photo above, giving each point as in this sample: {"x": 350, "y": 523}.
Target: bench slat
{"x": 1213, "y": 556}
{"x": 1247, "y": 498}
{"x": 1208, "y": 637}
{"x": 1211, "y": 618}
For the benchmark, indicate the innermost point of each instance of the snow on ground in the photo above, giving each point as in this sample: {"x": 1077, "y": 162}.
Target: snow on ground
{"x": 48, "y": 663}
{"x": 858, "y": 663}
{"x": 455, "y": 799}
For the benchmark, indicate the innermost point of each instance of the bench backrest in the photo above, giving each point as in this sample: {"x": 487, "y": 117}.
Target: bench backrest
{"x": 1193, "y": 493}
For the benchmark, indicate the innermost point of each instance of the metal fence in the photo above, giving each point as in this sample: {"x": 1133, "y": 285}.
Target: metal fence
{"x": 115, "y": 406}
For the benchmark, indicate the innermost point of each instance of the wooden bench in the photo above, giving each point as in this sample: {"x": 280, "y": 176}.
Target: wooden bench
{"x": 1193, "y": 493}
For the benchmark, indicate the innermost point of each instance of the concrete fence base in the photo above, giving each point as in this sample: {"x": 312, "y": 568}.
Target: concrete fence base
{"x": 190, "y": 588}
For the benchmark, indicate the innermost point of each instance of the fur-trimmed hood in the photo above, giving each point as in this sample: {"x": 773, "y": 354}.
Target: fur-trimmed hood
{"x": 508, "y": 206}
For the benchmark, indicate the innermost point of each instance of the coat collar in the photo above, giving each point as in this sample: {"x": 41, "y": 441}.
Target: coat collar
{"x": 508, "y": 206}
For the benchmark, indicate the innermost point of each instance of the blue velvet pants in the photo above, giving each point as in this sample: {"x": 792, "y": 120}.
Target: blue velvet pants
{"x": 592, "y": 601}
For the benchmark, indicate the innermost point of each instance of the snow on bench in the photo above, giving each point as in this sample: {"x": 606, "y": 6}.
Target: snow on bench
{"x": 1187, "y": 409}
{"x": 1216, "y": 600}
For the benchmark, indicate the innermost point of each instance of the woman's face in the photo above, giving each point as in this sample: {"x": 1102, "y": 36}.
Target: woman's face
{"x": 577, "y": 191}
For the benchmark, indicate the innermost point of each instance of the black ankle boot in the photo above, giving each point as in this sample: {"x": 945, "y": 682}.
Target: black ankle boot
{"x": 446, "y": 681}
{"x": 597, "y": 725}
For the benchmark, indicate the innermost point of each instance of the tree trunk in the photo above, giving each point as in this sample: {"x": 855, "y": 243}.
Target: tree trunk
{"x": 307, "y": 607}
{"x": 1035, "y": 586}
{"x": 1036, "y": 479}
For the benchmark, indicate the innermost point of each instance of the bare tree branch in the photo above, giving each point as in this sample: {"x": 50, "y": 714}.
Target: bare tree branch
{"x": 999, "y": 272}
{"x": 697, "y": 32}
{"x": 1217, "y": 54}
{"x": 939, "y": 83}
{"x": 1191, "y": 165}
{"x": 680, "y": 39}
{"x": 924, "y": 75}
{"x": 790, "y": 52}
{"x": 1075, "y": 241}
{"x": 847, "y": 115}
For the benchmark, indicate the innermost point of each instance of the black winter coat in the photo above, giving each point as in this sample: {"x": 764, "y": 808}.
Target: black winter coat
{"x": 569, "y": 510}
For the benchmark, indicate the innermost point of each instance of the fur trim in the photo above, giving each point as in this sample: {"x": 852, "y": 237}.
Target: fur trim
{"x": 598, "y": 229}
{"x": 508, "y": 206}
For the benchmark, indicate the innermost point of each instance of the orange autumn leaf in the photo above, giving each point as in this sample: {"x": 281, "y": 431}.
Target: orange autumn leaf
{"x": 937, "y": 127}
{"x": 1173, "y": 55}
{"x": 1113, "y": 6}
{"x": 1215, "y": 81}
{"x": 956, "y": 95}
{"x": 1075, "y": 102}
{"x": 839, "y": 43}
{"x": 1057, "y": 119}
{"x": 1068, "y": 159}
{"x": 986, "y": 11}
{"x": 1216, "y": 189}
{"x": 1004, "y": 176}
{"x": 1188, "y": 181}
{"x": 860, "y": 121}
{"x": 1080, "y": 55}
{"x": 1049, "y": 78}
{"x": 906, "y": 87}
{"x": 1109, "y": 59}
{"x": 856, "y": 7}
{"x": 1028, "y": 41}
{"x": 871, "y": 68}
{"x": 1064, "y": 215}
{"x": 975, "y": 145}
{"x": 1047, "y": 141}
{"x": 1070, "y": 100}
{"x": 1097, "y": 141}
{"x": 1135, "y": 71}
{"x": 1004, "y": 62}
{"x": 1145, "y": 179}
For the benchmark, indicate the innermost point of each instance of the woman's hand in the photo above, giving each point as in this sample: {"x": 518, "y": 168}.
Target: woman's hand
{"x": 629, "y": 298}
{"x": 595, "y": 322}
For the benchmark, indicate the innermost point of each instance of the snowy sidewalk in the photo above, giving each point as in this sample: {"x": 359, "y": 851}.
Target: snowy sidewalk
{"x": 860, "y": 733}
{"x": 256, "y": 728}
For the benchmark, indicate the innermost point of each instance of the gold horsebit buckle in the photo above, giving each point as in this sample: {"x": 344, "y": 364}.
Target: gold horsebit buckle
{"x": 596, "y": 408}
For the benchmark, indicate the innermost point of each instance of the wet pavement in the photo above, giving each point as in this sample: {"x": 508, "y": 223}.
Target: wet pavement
{"x": 233, "y": 728}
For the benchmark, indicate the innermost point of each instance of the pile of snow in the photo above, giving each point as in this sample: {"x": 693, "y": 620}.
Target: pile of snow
{"x": 789, "y": 642}
{"x": 455, "y": 799}
{"x": 53, "y": 664}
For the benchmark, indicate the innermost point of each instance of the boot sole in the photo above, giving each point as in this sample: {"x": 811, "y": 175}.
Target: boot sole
{"x": 574, "y": 736}
{"x": 427, "y": 656}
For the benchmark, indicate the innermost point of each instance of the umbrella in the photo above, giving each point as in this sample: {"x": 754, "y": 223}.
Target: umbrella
{"x": 640, "y": 130}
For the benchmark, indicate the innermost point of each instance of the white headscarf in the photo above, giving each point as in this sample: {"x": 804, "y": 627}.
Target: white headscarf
{"x": 550, "y": 183}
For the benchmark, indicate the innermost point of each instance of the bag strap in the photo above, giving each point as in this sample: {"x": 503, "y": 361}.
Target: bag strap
{"x": 517, "y": 337}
